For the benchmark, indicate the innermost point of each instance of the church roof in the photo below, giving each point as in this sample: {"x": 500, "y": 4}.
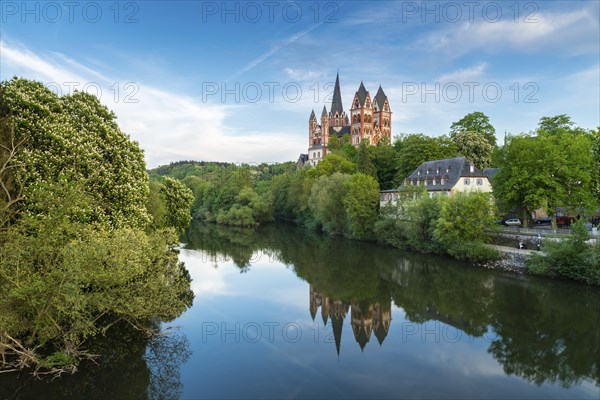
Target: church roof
{"x": 451, "y": 169}
{"x": 380, "y": 97}
{"x": 324, "y": 113}
{"x": 345, "y": 129}
{"x": 336, "y": 103}
{"x": 312, "y": 115}
{"x": 362, "y": 93}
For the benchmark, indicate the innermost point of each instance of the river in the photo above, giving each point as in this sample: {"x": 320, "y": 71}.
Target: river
{"x": 281, "y": 312}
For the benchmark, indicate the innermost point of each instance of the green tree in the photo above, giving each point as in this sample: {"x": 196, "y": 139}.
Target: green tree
{"x": 361, "y": 204}
{"x": 415, "y": 149}
{"x": 326, "y": 202}
{"x": 385, "y": 161}
{"x": 77, "y": 137}
{"x": 475, "y": 122}
{"x": 475, "y": 147}
{"x": 178, "y": 201}
{"x": 555, "y": 124}
{"x": 547, "y": 170}
{"x": 463, "y": 225}
{"x": 363, "y": 160}
{"x": 332, "y": 163}
{"x": 571, "y": 258}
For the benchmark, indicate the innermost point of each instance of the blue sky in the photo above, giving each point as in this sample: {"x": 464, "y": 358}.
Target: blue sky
{"x": 236, "y": 81}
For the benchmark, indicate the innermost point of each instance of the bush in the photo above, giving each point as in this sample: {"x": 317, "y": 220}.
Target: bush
{"x": 570, "y": 258}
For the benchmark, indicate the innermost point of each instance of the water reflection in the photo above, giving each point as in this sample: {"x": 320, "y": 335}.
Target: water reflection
{"x": 540, "y": 330}
{"x": 365, "y": 318}
{"x": 130, "y": 366}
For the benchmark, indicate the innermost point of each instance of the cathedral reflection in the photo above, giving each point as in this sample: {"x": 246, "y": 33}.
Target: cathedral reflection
{"x": 366, "y": 318}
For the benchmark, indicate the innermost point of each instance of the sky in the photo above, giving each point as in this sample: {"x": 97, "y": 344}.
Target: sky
{"x": 236, "y": 81}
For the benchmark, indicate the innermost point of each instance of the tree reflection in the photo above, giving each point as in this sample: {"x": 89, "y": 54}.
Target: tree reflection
{"x": 130, "y": 366}
{"x": 165, "y": 354}
{"x": 547, "y": 331}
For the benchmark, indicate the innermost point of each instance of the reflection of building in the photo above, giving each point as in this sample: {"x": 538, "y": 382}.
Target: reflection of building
{"x": 365, "y": 318}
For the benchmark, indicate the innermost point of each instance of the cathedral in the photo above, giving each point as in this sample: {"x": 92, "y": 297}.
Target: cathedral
{"x": 369, "y": 119}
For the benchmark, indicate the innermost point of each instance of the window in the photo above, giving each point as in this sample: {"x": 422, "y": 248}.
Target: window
{"x": 419, "y": 172}
{"x": 442, "y": 181}
{"x": 395, "y": 196}
{"x": 467, "y": 181}
{"x": 479, "y": 181}
{"x": 319, "y": 154}
{"x": 433, "y": 182}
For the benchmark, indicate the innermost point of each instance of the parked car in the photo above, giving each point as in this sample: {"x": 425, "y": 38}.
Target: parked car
{"x": 512, "y": 222}
{"x": 543, "y": 221}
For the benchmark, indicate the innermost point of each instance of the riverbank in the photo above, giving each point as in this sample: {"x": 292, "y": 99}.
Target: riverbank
{"x": 512, "y": 259}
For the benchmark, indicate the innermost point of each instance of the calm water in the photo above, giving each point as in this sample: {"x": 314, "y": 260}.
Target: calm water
{"x": 285, "y": 313}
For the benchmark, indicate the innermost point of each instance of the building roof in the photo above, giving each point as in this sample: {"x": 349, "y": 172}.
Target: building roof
{"x": 312, "y": 115}
{"x": 336, "y": 102}
{"x": 490, "y": 172}
{"x": 450, "y": 169}
{"x": 362, "y": 94}
{"x": 324, "y": 113}
{"x": 380, "y": 97}
{"x": 345, "y": 129}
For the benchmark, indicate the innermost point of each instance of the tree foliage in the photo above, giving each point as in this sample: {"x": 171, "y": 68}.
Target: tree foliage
{"x": 475, "y": 122}
{"x": 178, "y": 200}
{"x": 475, "y": 147}
{"x": 75, "y": 136}
{"x": 78, "y": 255}
{"x": 570, "y": 258}
{"x": 415, "y": 149}
{"x": 326, "y": 202}
{"x": 361, "y": 204}
{"x": 548, "y": 170}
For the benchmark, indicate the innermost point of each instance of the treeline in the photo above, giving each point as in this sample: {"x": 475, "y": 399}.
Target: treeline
{"x": 85, "y": 242}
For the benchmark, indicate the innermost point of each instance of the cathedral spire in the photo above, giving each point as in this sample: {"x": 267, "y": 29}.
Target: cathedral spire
{"x": 312, "y": 115}
{"x": 336, "y": 103}
{"x": 324, "y": 113}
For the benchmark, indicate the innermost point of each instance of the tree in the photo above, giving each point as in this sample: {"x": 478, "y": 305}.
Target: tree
{"x": 463, "y": 223}
{"x": 332, "y": 163}
{"x": 554, "y": 124}
{"x": 385, "y": 160}
{"x": 363, "y": 160}
{"x": 475, "y": 122}
{"x": 414, "y": 149}
{"x": 178, "y": 201}
{"x": 361, "y": 203}
{"x": 11, "y": 189}
{"x": 475, "y": 147}
{"x": 79, "y": 256}
{"x": 326, "y": 202}
{"x": 547, "y": 170}
{"x": 77, "y": 138}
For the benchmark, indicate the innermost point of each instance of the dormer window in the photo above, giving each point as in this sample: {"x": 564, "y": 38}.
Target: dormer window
{"x": 472, "y": 168}
{"x": 419, "y": 172}
{"x": 447, "y": 169}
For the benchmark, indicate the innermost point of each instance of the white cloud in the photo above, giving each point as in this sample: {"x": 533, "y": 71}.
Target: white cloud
{"x": 303, "y": 74}
{"x": 567, "y": 33}
{"x": 464, "y": 74}
{"x": 169, "y": 126}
